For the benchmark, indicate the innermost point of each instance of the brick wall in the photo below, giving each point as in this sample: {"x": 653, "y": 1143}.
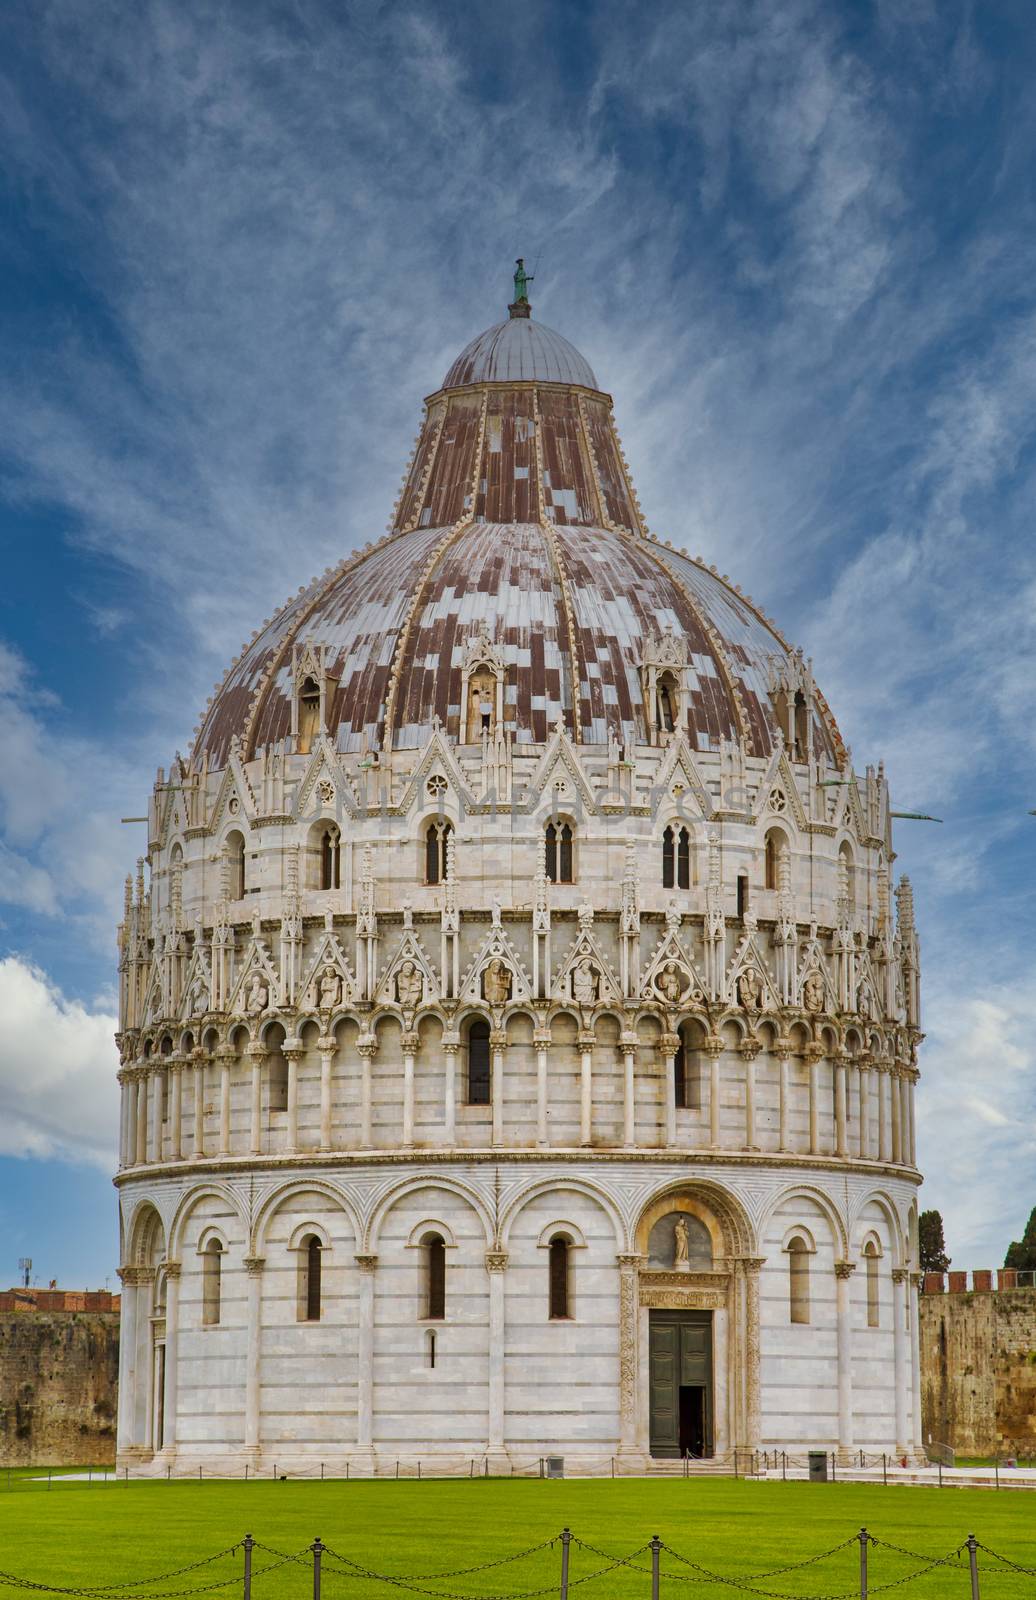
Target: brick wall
{"x": 978, "y": 1364}
{"x": 58, "y": 1386}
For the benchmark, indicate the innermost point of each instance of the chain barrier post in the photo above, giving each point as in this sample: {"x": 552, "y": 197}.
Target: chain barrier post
{"x": 566, "y": 1540}
{"x": 863, "y": 1537}
{"x": 996, "y": 1469}
{"x": 972, "y": 1544}
{"x": 247, "y": 1544}
{"x": 784, "y": 1466}
{"x": 884, "y": 1469}
{"x": 656, "y": 1551}
{"x": 318, "y": 1550}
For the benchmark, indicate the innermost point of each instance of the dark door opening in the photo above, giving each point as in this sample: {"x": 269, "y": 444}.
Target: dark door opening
{"x": 692, "y": 1420}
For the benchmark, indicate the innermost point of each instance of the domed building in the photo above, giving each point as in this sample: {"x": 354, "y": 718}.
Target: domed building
{"x": 518, "y": 1025}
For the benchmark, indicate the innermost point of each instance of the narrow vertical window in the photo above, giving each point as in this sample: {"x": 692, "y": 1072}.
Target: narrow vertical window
{"x": 331, "y": 859}
{"x": 277, "y": 1069}
{"x": 683, "y": 859}
{"x": 551, "y": 852}
{"x": 559, "y": 1268}
{"x": 211, "y": 1283}
{"x": 310, "y": 1271}
{"x": 435, "y": 850}
{"x": 668, "y": 860}
{"x": 742, "y": 894}
{"x": 680, "y": 1074}
{"x": 565, "y": 854}
{"x": 431, "y": 1347}
{"x": 772, "y": 846}
{"x": 798, "y": 1279}
{"x": 479, "y": 1078}
{"x": 435, "y": 1277}
{"x": 234, "y": 849}
{"x": 870, "y": 1257}
{"x": 309, "y": 715}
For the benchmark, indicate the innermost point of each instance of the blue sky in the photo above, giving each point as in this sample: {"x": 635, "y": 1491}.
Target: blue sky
{"x": 239, "y": 242}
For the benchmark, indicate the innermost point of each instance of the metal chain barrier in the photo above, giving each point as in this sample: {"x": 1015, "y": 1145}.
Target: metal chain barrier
{"x": 403, "y": 1582}
{"x": 747, "y": 1586}
{"x": 130, "y": 1583}
{"x": 1006, "y": 1560}
{"x": 772, "y": 1572}
{"x": 10, "y": 1580}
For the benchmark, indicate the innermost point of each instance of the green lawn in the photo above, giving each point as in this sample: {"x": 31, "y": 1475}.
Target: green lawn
{"x": 108, "y": 1535}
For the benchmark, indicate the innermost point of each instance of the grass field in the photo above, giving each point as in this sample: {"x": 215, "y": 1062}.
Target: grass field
{"x": 79, "y": 1534}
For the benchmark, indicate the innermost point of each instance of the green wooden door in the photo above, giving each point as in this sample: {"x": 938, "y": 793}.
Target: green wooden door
{"x": 679, "y": 1356}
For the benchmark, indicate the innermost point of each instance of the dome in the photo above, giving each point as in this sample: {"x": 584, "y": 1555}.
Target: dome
{"x": 520, "y": 350}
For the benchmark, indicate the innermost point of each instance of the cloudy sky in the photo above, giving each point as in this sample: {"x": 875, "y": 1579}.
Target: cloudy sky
{"x": 240, "y": 240}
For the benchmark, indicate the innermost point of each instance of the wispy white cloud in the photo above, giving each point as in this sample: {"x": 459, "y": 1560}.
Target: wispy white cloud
{"x": 58, "y": 1093}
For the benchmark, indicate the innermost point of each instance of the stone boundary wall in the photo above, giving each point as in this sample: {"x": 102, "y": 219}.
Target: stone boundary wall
{"x": 58, "y": 1387}
{"x": 978, "y": 1362}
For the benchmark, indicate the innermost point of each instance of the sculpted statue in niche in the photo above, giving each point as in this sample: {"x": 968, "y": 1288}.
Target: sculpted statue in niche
{"x": 813, "y": 992}
{"x": 258, "y": 995}
{"x": 679, "y": 1242}
{"x": 409, "y": 985}
{"x": 330, "y": 989}
{"x": 586, "y": 982}
{"x": 481, "y": 705}
{"x": 863, "y": 1002}
{"x": 199, "y": 997}
{"x": 496, "y": 983}
{"x": 585, "y": 913}
{"x": 672, "y": 983}
{"x": 750, "y": 989}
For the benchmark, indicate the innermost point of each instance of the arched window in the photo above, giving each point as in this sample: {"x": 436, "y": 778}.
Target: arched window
{"x": 309, "y": 715}
{"x": 211, "y": 1283}
{"x": 798, "y": 1279}
{"x": 801, "y": 727}
{"x": 330, "y": 858}
{"x": 870, "y": 1261}
{"x": 559, "y": 1273}
{"x": 479, "y": 1075}
{"x": 676, "y": 858}
{"x": 846, "y": 876}
{"x": 234, "y": 851}
{"x": 559, "y": 838}
{"x": 435, "y": 1276}
{"x": 277, "y": 1068}
{"x": 774, "y": 840}
{"x": 309, "y": 1279}
{"x": 665, "y": 703}
{"x": 687, "y": 1072}
{"x": 436, "y": 835}
{"x": 481, "y": 703}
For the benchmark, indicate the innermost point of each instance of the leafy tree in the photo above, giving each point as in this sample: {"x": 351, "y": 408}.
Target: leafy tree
{"x": 931, "y": 1242}
{"x": 1022, "y": 1252}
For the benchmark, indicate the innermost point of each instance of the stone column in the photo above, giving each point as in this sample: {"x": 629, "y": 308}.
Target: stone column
{"x": 172, "y": 1329}
{"x": 884, "y": 1146}
{"x": 897, "y": 1122}
{"x": 541, "y": 1039}
{"x": 843, "y": 1303}
{"x": 628, "y": 1043}
{"x": 293, "y": 1055}
{"x": 253, "y": 1368}
{"x": 496, "y": 1264}
{"x": 748, "y": 1269}
{"x": 497, "y": 1043}
{"x": 901, "y": 1348}
{"x": 175, "y": 1119}
{"x": 367, "y": 1048}
{"x": 840, "y": 1069}
{"x": 255, "y": 1139}
{"x": 141, "y": 1130}
{"x": 863, "y": 1092}
{"x": 628, "y": 1365}
{"x": 365, "y": 1353}
{"x": 450, "y": 1051}
{"x": 713, "y": 1047}
{"x": 813, "y": 1054}
{"x": 226, "y": 1056}
{"x": 917, "y": 1438}
{"x": 669, "y": 1044}
{"x": 158, "y": 1079}
{"x": 783, "y": 1049}
{"x": 326, "y": 1046}
{"x": 906, "y": 1088}
{"x": 129, "y": 1098}
{"x": 586, "y": 1087}
{"x": 199, "y": 1104}
{"x": 128, "y": 1356}
{"x": 410, "y": 1043}
{"x": 749, "y": 1050}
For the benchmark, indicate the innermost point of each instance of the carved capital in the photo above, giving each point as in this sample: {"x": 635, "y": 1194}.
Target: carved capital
{"x": 134, "y": 1277}
{"x": 498, "y": 1038}
{"x": 844, "y": 1269}
{"x": 783, "y": 1048}
{"x": 900, "y": 1274}
{"x": 541, "y": 1038}
{"x": 292, "y": 1052}
{"x": 327, "y": 1045}
{"x": 814, "y": 1051}
{"x": 451, "y": 1043}
{"x": 586, "y": 1039}
{"x": 367, "y": 1047}
{"x": 410, "y": 1042}
{"x": 496, "y": 1260}
{"x": 628, "y": 1042}
{"x": 254, "y": 1265}
{"x": 714, "y": 1044}
{"x": 669, "y": 1043}
{"x": 366, "y": 1263}
{"x": 750, "y": 1048}
{"x": 628, "y": 1261}
{"x": 172, "y": 1269}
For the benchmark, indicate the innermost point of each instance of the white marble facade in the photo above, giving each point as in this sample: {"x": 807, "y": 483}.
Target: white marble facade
{"x": 409, "y": 1124}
